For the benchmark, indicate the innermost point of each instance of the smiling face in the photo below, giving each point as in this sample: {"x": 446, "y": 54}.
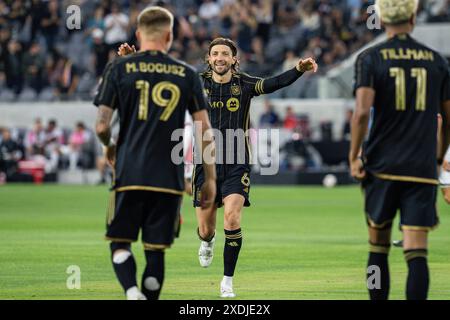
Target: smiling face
{"x": 221, "y": 59}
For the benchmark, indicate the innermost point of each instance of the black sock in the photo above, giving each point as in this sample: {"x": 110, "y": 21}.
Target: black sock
{"x": 418, "y": 275}
{"x": 233, "y": 243}
{"x": 378, "y": 257}
{"x": 126, "y": 270}
{"x": 153, "y": 276}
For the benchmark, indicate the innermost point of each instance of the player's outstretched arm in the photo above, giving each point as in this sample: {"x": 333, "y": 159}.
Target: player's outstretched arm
{"x": 286, "y": 78}
{"x": 360, "y": 121}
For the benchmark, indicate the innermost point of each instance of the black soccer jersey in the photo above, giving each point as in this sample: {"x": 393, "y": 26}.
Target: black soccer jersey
{"x": 151, "y": 92}
{"x": 229, "y": 110}
{"x": 411, "y": 81}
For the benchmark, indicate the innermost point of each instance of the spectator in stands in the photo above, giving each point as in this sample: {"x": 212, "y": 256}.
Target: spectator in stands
{"x": 209, "y": 10}
{"x": 264, "y": 29}
{"x": 290, "y": 120}
{"x": 11, "y": 153}
{"x": 34, "y": 63}
{"x": 14, "y": 67}
{"x": 346, "y": 128}
{"x": 66, "y": 78}
{"x": 116, "y": 27}
{"x": 35, "y": 139}
{"x": 37, "y": 8}
{"x": 54, "y": 139}
{"x": 269, "y": 118}
{"x": 17, "y": 15}
{"x": 77, "y": 141}
{"x": 50, "y": 23}
{"x": 263, "y": 12}
{"x": 97, "y": 21}
{"x": 100, "y": 50}
{"x": 438, "y": 10}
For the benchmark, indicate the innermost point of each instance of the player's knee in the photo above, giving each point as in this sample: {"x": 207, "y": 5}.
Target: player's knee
{"x": 382, "y": 237}
{"x": 232, "y": 219}
{"x": 206, "y": 231}
{"x": 120, "y": 252}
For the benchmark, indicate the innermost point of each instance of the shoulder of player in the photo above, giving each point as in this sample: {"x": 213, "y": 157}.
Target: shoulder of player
{"x": 439, "y": 58}
{"x": 189, "y": 68}
{"x": 246, "y": 78}
{"x": 370, "y": 51}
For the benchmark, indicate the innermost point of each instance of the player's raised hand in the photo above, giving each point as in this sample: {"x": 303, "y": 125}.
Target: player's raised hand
{"x": 125, "y": 49}
{"x": 308, "y": 64}
{"x": 357, "y": 169}
{"x": 208, "y": 193}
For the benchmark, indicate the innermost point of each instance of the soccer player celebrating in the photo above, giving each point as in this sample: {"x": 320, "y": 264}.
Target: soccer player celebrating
{"x": 407, "y": 84}
{"x": 229, "y": 93}
{"x": 151, "y": 92}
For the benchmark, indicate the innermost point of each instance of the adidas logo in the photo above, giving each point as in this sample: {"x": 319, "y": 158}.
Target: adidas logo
{"x": 233, "y": 244}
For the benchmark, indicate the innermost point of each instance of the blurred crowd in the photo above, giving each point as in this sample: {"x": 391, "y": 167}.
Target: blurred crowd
{"x": 49, "y": 147}
{"x": 42, "y": 59}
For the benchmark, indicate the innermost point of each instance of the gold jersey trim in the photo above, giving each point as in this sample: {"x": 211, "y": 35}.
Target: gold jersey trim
{"x": 152, "y": 246}
{"x": 379, "y": 249}
{"x": 415, "y": 254}
{"x": 149, "y": 188}
{"x": 119, "y": 239}
{"x": 419, "y": 228}
{"x": 406, "y": 178}
{"x": 374, "y": 225}
{"x": 259, "y": 86}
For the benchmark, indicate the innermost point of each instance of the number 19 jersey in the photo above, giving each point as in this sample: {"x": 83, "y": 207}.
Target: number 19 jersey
{"x": 151, "y": 92}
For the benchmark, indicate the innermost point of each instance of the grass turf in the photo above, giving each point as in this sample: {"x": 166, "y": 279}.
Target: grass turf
{"x": 299, "y": 243}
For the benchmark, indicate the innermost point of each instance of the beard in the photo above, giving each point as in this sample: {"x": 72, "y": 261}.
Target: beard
{"x": 225, "y": 69}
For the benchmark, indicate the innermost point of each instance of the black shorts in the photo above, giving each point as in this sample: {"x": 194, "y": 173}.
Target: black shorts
{"x": 156, "y": 213}
{"x": 416, "y": 202}
{"x": 231, "y": 179}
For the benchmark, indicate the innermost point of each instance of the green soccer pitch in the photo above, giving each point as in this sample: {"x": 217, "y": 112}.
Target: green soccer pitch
{"x": 299, "y": 243}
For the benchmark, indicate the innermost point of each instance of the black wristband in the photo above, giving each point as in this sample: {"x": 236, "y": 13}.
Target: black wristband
{"x": 440, "y": 161}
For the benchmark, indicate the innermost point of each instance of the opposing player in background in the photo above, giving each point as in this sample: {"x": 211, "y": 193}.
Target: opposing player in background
{"x": 151, "y": 92}
{"x": 407, "y": 84}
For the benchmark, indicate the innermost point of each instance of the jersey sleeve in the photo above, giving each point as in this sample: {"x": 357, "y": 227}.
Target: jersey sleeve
{"x": 107, "y": 88}
{"x": 254, "y": 84}
{"x": 198, "y": 100}
{"x": 364, "y": 72}
{"x": 268, "y": 85}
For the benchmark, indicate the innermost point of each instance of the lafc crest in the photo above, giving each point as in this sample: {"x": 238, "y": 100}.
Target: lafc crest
{"x": 235, "y": 90}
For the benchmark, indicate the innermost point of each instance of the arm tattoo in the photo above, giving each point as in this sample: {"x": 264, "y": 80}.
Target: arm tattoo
{"x": 103, "y": 124}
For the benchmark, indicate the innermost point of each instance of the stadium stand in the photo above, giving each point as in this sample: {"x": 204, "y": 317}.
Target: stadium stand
{"x": 41, "y": 59}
